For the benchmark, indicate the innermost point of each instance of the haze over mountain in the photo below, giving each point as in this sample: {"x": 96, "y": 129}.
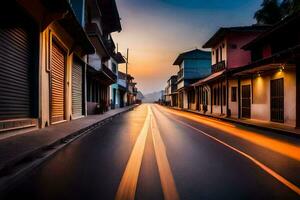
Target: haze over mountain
{"x": 152, "y": 97}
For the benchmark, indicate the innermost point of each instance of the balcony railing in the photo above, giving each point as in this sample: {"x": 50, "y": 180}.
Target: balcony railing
{"x": 218, "y": 67}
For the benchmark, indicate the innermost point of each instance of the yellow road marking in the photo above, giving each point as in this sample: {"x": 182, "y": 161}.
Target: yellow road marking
{"x": 277, "y": 176}
{"x": 128, "y": 184}
{"x": 283, "y": 148}
{"x": 165, "y": 173}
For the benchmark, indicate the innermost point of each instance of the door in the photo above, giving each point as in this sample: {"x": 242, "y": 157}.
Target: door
{"x": 114, "y": 98}
{"x": 246, "y": 101}
{"x": 77, "y": 89}
{"x": 18, "y": 69}
{"x": 277, "y": 100}
{"x": 57, "y": 84}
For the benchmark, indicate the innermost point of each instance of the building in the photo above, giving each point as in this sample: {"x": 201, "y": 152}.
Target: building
{"x": 102, "y": 19}
{"x": 226, "y": 54}
{"x": 193, "y": 65}
{"x": 57, "y": 61}
{"x": 115, "y": 97}
{"x": 126, "y": 96}
{"x": 171, "y": 96}
{"x": 41, "y": 56}
{"x": 132, "y": 90}
{"x": 268, "y": 89}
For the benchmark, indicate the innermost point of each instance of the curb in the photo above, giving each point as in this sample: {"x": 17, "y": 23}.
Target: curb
{"x": 21, "y": 165}
{"x": 275, "y": 130}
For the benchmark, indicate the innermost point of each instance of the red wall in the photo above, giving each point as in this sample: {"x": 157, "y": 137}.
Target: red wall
{"x": 238, "y": 57}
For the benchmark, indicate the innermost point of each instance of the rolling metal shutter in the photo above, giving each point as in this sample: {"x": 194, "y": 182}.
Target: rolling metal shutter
{"x": 57, "y": 84}
{"x": 17, "y": 74}
{"x": 77, "y": 89}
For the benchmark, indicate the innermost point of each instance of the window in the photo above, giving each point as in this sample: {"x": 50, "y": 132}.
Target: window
{"x": 233, "y": 94}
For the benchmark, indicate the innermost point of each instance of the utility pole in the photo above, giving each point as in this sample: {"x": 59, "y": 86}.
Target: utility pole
{"x": 127, "y": 57}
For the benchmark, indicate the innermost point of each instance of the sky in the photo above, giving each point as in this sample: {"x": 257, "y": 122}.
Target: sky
{"x": 156, "y": 31}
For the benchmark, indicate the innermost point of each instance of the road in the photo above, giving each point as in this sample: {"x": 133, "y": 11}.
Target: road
{"x": 157, "y": 153}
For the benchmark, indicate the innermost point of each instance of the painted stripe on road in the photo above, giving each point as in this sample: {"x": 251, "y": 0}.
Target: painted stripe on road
{"x": 165, "y": 173}
{"x": 277, "y": 176}
{"x": 128, "y": 184}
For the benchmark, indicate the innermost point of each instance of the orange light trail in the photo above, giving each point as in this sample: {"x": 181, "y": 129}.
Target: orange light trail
{"x": 283, "y": 148}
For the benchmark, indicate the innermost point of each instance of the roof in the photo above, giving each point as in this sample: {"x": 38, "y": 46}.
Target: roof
{"x": 221, "y": 33}
{"x": 209, "y": 78}
{"x": 194, "y": 54}
{"x": 295, "y": 18}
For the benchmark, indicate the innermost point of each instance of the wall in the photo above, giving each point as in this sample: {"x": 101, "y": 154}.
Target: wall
{"x": 54, "y": 30}
{"x": 224, "y": 52}
{"x": 261, "y": 96}
{"x": 238, "y": 57}
{"x": 185, "y": 100}
{"x": 233, "y": 106}
{"x": 196, "y": 68}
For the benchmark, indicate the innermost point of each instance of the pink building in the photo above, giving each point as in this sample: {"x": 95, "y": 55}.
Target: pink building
{"x": 227, "y": 53}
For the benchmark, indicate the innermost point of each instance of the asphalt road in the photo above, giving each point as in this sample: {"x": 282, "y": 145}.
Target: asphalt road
{"x": 157, "y": 153}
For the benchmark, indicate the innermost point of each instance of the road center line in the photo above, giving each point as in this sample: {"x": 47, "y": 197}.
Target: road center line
{"x": 128, "y": 184}
{"x": 277, "y": 176}
{"x": 165, "y": 173}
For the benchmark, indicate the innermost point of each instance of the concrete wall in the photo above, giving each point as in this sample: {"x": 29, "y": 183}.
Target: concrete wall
{"x": 222, "y": 44}
{"x": 260, "y": 90}
{"x": 238, "y": 57}
{"x": 185, "y": 100}
{"x": 261, "y": 96}
{"x": 233, "y": 106}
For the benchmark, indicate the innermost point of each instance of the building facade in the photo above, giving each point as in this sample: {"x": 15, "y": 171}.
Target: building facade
{"x": 254, "y": 74}
{"x": 192, "y": 65}
{"x": 226, "y": 54}
{"x": 268, "y": 87}
{"x": 55, "y": 61}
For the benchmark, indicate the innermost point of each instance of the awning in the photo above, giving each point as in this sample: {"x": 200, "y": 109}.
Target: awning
{"x": 209, "y": 78}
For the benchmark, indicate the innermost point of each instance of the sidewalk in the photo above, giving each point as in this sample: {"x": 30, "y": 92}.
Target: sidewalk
{"x": 16, "y": 149}
{"x": 268, "y": 126}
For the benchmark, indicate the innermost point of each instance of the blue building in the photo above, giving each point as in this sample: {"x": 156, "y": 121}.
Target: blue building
{"x": 193, "y": 65}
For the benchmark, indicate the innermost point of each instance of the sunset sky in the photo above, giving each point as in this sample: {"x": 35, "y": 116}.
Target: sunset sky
{"x": 156, "y": 31}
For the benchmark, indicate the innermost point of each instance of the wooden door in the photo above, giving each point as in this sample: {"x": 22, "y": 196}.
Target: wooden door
{"x": 277, "y": 100}
{"x": 246, "y": 101}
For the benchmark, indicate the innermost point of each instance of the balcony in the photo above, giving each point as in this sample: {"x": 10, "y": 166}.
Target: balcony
{"x": 112, "y": 76}
{"x": 180, "y": 75}
{"x": 94, "y": 33}
{"x": 218, "y": 67}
